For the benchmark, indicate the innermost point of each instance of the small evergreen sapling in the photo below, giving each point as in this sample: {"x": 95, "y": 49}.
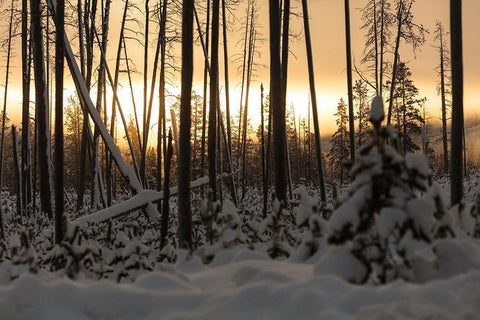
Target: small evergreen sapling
{"x": 24, "y": 259}
{"x": 278, "y": 245}
{"x": 382, "y": 221}
{"x": 310, "y": 222}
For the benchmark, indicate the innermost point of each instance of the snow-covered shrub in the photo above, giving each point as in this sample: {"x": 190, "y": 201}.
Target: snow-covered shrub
{"x": 308, "y": 219}
{"x": 68, "y": 256}
{"x": 228, "y": 228}
{"x": 116, "y": 258}
{"x": 382, "y": 221}
{"x": 278, "y": 245}
{"x": 209, "y": 214}
{"x": 24, "y": 259}
{"x": 135, "y": 258}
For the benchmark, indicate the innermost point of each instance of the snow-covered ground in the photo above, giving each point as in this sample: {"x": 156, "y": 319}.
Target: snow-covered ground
{"x": 391, "y": 248}
{"x": 239, "y": 284}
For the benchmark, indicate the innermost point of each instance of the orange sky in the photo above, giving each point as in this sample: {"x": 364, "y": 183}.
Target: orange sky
{"x": 327, "y": 27}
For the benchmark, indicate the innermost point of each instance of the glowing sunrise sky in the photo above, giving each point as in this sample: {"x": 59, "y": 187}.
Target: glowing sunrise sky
{"x": 328, "y": 39}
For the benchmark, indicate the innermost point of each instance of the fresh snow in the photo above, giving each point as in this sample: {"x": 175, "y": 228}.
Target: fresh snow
{"x": 245, "y": 285}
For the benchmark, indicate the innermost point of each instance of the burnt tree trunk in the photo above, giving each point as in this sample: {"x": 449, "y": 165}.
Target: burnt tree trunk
{"x": 313, "y": 97}
{"x": 59, "y": 168}
{"x": 41, "y": 106}
{"x": 184, "y": 206}
{"x": 456, "y": 170}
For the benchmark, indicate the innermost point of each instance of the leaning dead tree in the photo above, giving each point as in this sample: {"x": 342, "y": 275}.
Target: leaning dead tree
{"x": 313, "y": 96}
{"x": 126, "y": 171}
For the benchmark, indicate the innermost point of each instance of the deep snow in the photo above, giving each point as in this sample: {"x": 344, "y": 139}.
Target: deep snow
{"x": 239, "y": 284}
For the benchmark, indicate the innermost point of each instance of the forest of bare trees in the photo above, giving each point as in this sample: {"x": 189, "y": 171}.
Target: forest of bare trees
{"x": 87, "y": 149}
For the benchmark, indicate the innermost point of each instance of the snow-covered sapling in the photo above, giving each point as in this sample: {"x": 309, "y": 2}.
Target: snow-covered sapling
{"x": 382, "y": 220}
{"x": 24, "y": 259}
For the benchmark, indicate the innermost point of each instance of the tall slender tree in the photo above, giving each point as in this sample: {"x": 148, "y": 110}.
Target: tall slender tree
{"x": 456, "y": 168}
{"x": 227, "y": 83}
{"x": 278, "y": 111}
{"x": 4, "y": 114}
{"x": 212, "y": 118}
{"x": 26, "y": 143}
{"x": 412, "y": 34}
{"x": 161, "y": 133}
{"x": 313, "y": 96}
{"x": 351, "y": 116}
{"x": 59, "y": 156}
{"x": 205, "y": 87}
{"x": 41, "y": 109}
{"x": 440, "y": 35}
{"x": 184, "y": 206}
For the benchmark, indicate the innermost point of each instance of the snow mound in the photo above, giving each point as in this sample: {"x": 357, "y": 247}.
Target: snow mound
{"x": 248, "y": 289}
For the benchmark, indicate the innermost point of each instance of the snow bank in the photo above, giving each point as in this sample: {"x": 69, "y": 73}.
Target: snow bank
{"x": 250, "y": 286}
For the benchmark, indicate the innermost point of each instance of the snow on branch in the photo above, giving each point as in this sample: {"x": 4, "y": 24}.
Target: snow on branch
{"x": 138, "y": 201}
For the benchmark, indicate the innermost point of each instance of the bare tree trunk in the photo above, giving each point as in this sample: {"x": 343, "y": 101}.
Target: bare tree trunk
{"x": 351, "y": 119}
{"x": 184, "y": 206}
{"x": 284, "y": 62}
{"x": 161, "y": 114}
{"x": 59, "y": 67}
{"x": 219, "y": 154}
{"x": 122, "y": 116}
{"x": 89, "y": 24}
{"x": 26, "y": 153}
{"x": 262, "y": 140}
{"x": 244, "y": 69}
{"x": 150, "y": 102}
{"x": 444, "y": 105}
{"x": 375, "y": 24}
{"x": 227, "y": 84}
{"x": 245, "y": 111}
{"x": 113, "y": 116}
{"x": 268, "y": 155}
{"x": 4, "y": 116}
{"x": 205, "y": 85}
{"x": 309, "y": 179}
{"x": 175, "y": 131}
{"x": 382, "y": 44}
{"x": 95, "y": 187}
{"x": 166, "y": 192}
{"x": 41, "y": 104}
{"x": 456, "y": 170}
{"x": 395, "y": 60}
{"x": 313, "y": 96}
{"x": 145, "y": 88}
{"x": 221, "y": 126}
{"x": 279, "y": 131}
{"x": 137, "y": 123}
{"x": 16, "y": 164}
{"x": 212, "y": 118}
{"x": 81, "y": 45}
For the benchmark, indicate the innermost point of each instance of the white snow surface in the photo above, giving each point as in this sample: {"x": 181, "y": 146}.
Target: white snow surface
{"x": 239, "y": 284}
